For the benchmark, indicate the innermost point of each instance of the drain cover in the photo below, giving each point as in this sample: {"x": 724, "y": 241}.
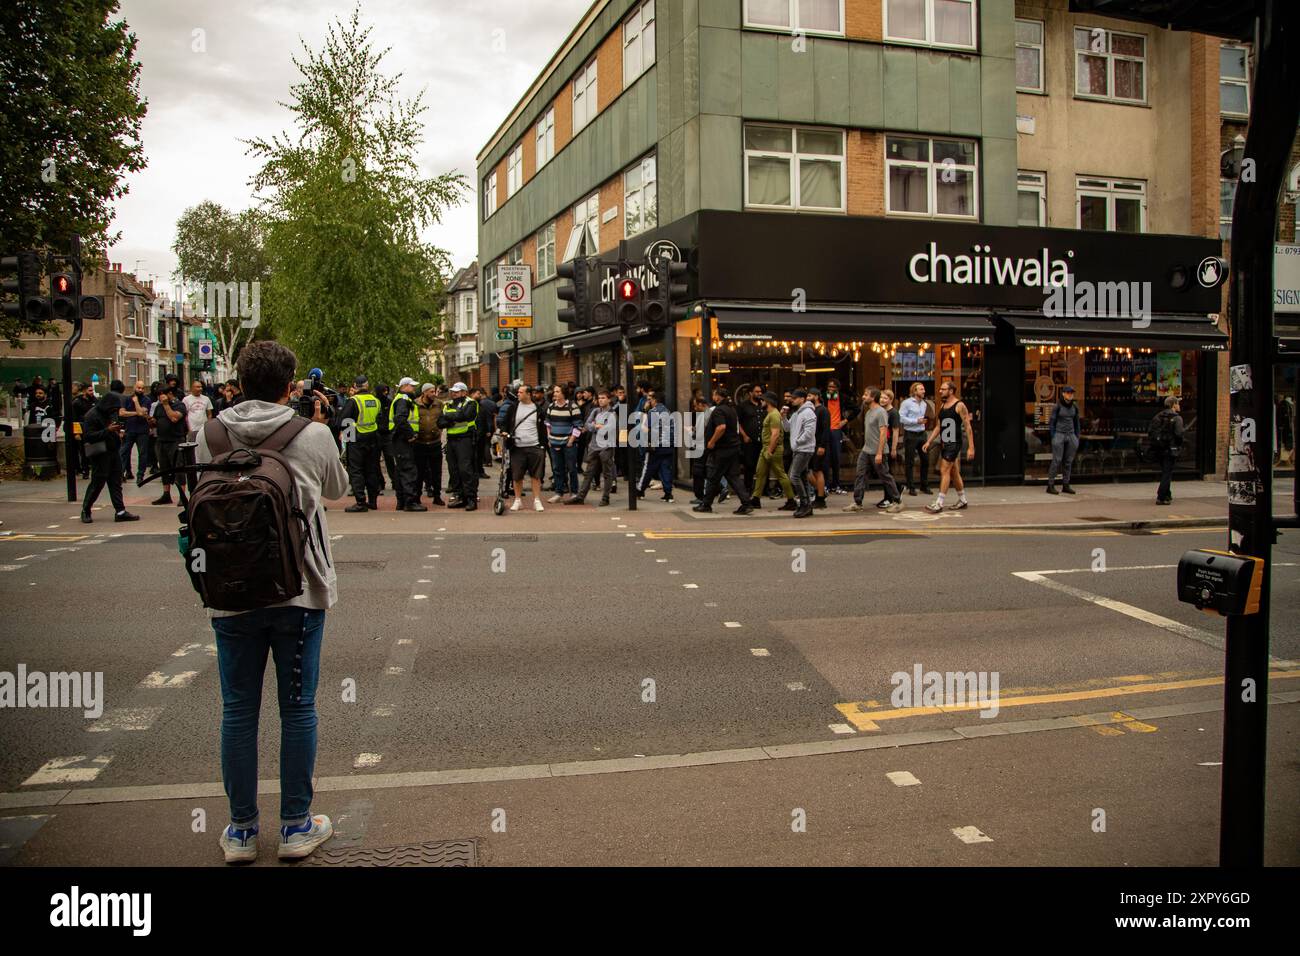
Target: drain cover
{"x": 447, "y": 853}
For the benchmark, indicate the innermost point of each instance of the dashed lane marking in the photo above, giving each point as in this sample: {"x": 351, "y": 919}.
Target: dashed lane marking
{"x": 760, "y": 652}
{"x": 126, "y": 719}
{"x": 81, "y": 769}
{"x": 841, "y": 729}
{"x": 971, "y": 835}
{"x": 366, "y": 760}
{"x": 903, "y": 778}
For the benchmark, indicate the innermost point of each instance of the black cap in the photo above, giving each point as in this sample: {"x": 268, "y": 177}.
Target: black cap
{"x": 770, "y": 398}
{"x": 360, "y": 381}
{"x": 1067, "y": 388}
{"x": 799, "y": 393}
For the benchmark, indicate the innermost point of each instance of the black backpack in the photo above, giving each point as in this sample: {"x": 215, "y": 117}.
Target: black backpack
{"x": 245, "y": 535}
{"x": 1160, "y": 435}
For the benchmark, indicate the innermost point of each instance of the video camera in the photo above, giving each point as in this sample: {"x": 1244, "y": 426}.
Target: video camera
{"x": 310, "y": 386}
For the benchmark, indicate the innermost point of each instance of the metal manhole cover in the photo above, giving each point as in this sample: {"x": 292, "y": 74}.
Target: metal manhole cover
{"x": 361, "y": 565}
{"x": 509, "y": 537}
{"x": 447, "y": 853}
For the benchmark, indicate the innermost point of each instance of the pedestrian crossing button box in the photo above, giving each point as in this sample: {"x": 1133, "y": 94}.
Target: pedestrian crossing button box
{"x": 1220, "y": 582}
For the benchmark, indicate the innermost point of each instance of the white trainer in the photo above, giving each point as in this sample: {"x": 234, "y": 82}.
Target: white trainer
{"x": 517, "y": 505}
{"x": 537, "y": 504}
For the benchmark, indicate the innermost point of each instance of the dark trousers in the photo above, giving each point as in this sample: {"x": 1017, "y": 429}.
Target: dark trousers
{"x": 749, "y": 462}
{"x": 599, "y": 462}
{"x": 363, "y": 467}
{"x": 833, "y": 459}
{"x": 140, "y": 440}
{"x": 699, "y": 469}
{"x": 406, "y": 476}
{"x": 725, "y": 463}
{"x": 428, "y": 464}
{"x": 390, "y": 466}
{"x": 485, "y": 450}
{"x": 912, "y": 442}
{"x": 1167, "y": 460}
{"x": 106, "y": 471}
{"x": 658, "y": 465}
{"x": 463, "y": 464}
{"x": 564, "y": 468}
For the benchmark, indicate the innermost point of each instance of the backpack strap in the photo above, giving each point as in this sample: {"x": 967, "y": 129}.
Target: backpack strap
{"x": 218, "y": 439}
{"x": 279, "y": 439}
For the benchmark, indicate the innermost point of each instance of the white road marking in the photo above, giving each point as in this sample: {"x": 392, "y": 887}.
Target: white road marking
{"x": 903, "y": 778}
{"x": 419, "y": 597}
{"x": 971, "y": 835}
{"x": 629, "y": 534}
{"x": 10, "y": 567}
{"x": 185, "y": 649}
{"x": 405, "y": 640}
{"x": 25, "y": 557}
{"x": 661, "y": 560}
{"x": 394, "y": 670}
{"x": 731, "y": 624}
{"x": 382, "y": 712}
{"x": 760, "y": 652}
{"x": 841, "y": 729}
{"x": 159, "y": 679}
{"x": 126, "y": 718}
{"x": 649, "y": 550}
{"x": 49, "y": 526}
{"x": 796, "y": 685}
{"x": 1211, "y": 763}
{"x": 424, "y": 581}
{"x": 366, "y": 760}
{"x": 64, "y": 770}
{"x": 686, "y": 585}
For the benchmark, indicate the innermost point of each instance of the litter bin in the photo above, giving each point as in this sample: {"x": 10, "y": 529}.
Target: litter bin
{"x": 40, "y": 458}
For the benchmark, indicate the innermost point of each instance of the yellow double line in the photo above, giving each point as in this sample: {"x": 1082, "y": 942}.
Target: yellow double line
{"x": 862, "y": 717}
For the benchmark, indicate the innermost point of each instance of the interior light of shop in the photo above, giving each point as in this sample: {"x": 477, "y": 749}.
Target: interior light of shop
{"x": 811, "y": 370}
{"x": 653, "y": 364}
{"x": 856, "y": 356}
{"x": 642, "y": 367}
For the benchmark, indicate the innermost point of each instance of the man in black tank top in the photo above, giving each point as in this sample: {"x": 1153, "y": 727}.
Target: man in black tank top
{"x": 952, "y": 432}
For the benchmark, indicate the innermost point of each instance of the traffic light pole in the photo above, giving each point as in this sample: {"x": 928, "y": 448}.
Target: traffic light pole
{"x": 1275, "y": 111}
{"x": 69, "y": 438}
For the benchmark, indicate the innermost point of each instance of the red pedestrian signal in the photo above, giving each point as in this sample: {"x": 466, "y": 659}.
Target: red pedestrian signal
{"x": 63, "y": 297}
{"x": 61, "y": 284}
{"x": 627, "y": 290}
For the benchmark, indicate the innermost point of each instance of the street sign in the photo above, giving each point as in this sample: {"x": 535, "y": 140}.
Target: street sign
{"x": 505, "y": 335}
{"x": 515, "y": 297}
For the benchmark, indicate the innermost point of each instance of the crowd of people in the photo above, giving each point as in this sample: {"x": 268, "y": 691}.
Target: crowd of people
{"x": 563, "y": 441}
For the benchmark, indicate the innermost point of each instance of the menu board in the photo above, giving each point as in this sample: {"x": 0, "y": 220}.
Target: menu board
{"x": 1169, "y": 374}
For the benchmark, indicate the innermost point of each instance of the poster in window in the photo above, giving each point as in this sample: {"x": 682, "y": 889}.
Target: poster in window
{"x": 1169, "y": 374}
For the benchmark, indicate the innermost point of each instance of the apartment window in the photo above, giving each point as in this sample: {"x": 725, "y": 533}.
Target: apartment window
{"x": 490, "y": 288}
{"x": 546, "y": 252}
{"x": 1029, "y": 56}
{"x": 640, "y": 198}
{"x": 514, "y": 171}
{"x": 1031, "y": 199}
{"x": 1111, "y": 205}
{"x": 1234, "y": 81}
{"x": 515, "y": 256}
{"x": 932, "y": 22}
{"x": 790, "y": 167}
{"x": 807, "y": 16}
{"x": 490, "y": 195}
{"x": 546, "y": 138}
{"x": 466, "y": 321}
{"x": 1227, "y": 196}
{"x": 931, "y": 177}
{"x": 1110, "y": 65}
{"x": 584, "y": 97}
{"x": 584, "y": 240}
{"x": 638, "y": 42}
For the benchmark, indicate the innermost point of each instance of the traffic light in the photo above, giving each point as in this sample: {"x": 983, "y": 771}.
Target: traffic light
{"x": 666, "y": 303}
{"x": 629, "y": 299}
{"x": 63, "y": 297}
{"x": 575, "y": 271}
{"x": 31, "y": 306}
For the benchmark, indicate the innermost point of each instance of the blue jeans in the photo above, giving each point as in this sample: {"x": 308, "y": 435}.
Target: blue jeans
{"x": 142, "y": 440}
{"x": 293, "y": 636}
{"x": 564, "y": 468}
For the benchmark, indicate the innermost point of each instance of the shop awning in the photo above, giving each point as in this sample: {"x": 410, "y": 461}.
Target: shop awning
{"x": 754, "y": 322}
{"x": 1171, "y": 333}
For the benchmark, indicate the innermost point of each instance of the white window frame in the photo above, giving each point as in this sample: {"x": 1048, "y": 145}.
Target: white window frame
{"x": 490, "y": 287}
{"x": 794, "y": 157}
{"x": 794, "y": 26}
{"x": 586, "y": 215}
{"x": 1040, "y": 46}
{"x": 515, "y": 170}
{"x": 1032, "y": 181}
{"x": 490, "y": 195}
{"x": 929, "y": 28}
{"x": 1112, "y": 190}
{"x": 1236, "y": 81}
{"x": 1109, "y": 96}
{"x": 546, "y": 263}
{"x": 466, "y": 320}
{"x": 635, "y": 28}
{"x": 545, "y": 138}
{"x": 932, "y": 169}
{"x": 584, "y": 93}
{"x": 646, "y": 162}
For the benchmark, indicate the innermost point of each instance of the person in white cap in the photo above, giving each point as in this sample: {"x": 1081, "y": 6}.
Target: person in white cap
{"x": 403, "y": 424}
{"x": 460, "y": 417}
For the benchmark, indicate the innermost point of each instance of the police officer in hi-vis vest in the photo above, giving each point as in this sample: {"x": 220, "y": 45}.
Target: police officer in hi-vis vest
{"x": 362, "y": 411}
{"x": 404, "y": 425}
{"x": 459, "y": 417}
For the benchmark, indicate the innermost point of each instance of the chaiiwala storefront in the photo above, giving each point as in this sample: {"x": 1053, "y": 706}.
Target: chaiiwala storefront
{"x": 801, "y": 300}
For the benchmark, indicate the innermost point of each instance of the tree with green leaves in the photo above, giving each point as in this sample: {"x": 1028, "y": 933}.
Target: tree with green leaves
{"x": 352, "y": 286}
{"x": 217, "y": 247}
{"x": 69, "y": 130}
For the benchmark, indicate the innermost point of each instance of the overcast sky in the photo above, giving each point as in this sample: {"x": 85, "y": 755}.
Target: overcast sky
{"x": 201, "y": 104}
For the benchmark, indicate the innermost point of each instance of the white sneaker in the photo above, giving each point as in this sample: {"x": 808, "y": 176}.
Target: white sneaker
{"x": 894, "y": 507}
{"x": 296, "y": 844}
{"x": 553, "y": 499}
{"x": 537, "y": 504}
{"x": 239, "y": 846}
{"x": 517, "y": 505}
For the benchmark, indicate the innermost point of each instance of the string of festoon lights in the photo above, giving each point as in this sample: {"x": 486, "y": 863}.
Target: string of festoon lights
{"x": 890, "y": 349}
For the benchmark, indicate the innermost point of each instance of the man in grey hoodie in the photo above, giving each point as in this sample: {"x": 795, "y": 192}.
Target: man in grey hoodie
{"x": 291, "y": 631}
{"x": 802, "y": 427}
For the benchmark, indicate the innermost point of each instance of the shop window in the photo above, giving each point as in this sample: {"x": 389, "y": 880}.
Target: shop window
{"x": 948, "y": 23}
{"x": 1110, "y": 65}
{"x": 1031, "y": 199}
{"x": 1284, "y": 418}
{"x": 805, "y": 16}
{"x": 640, "y": 198}
{"x": 931, "y": 177}
{"x": 638, "y": 42}
{"x": 584, "y": 97}
{"x": 1234, "y": 81}
{"x": 490, "y": 195}
{"x": 1029, "y": 56}
{"x": 789, "y": 167}
{"x": 1111, "y": 205}
{"x": 515, "y": 171}
{"x": 596, "y": 368}
{"x": 545, "y": 138}
{"x": 584, "y": 240}
{"x": 546, "y": 252}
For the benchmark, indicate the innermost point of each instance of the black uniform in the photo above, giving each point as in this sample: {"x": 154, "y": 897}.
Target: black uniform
{"x": 363, "y": 458}
{"x": 462, "y": 449}
{"x": 405, "y": 474}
